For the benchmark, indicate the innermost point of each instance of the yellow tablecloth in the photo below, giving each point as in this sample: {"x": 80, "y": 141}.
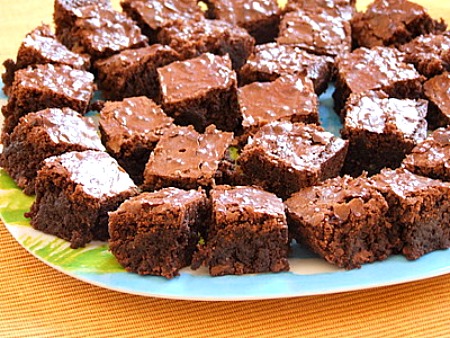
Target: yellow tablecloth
{"x": 37, "y": 301}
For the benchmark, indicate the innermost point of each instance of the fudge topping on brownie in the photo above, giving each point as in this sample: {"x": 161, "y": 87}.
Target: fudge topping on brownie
{"x": 375, "y": 68}
{"x": 208, "y": 70}
{"x": 303, "y": 146}
{"x": 106, "y": 182}
{"x": 429, "y": 53}
{"x": 242, "y": 199}
{"x": 65, "y": 125}
{"x": 135, "y": 116}
{"x": 186, "y": 153}
{"x": 381, "y": 114}
{"x": 161, "y": 13}
{"x": 316, "y": 31}
{"x": 73, "y": 83}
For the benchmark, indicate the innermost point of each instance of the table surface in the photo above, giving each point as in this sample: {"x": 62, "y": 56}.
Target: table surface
{"x": 37, "y": 301}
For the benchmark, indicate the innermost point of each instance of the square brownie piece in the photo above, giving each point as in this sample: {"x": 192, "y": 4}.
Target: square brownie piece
{"x": 381, "y": 131}
{"x": 260, "y": 18}
{"x": 343, "y": 220}
{"x": 132, "y": 72}
{"x": 47, "y": 86}
{"x": 317, "y": 31}
{"x": 288, "y": 98}
{"x": 40, "y": 46}
{"x": 437, "y": 91}
{"x": 430, "y": 54}
{"x": 43, "y": 134}
{"x": 270, "y": 61}
{"x": 74, "y": 193}
{"x": 195, "y": 37}
{"x": 248, "y": 233}
{"x": 152, "y": 15}
{"x": 419, "y": 208}
{"x": 283, "y": 157}
{"x": 130, "y": 130}
{"x": 184, "y": 158}
{"x": 100, "y": 31}
{"x": 379, "y": 68}
{"x": 393, "y": 22}
{"x": 201, "y": 91}
{"x": 66, "y": 13}
{"x": 156, "y": 233}
{"x": 431, "y": 157}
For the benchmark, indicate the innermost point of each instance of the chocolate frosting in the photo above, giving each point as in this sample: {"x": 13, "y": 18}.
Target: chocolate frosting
{"x": 240, "y": 12}
{"x": 97, "y": 173}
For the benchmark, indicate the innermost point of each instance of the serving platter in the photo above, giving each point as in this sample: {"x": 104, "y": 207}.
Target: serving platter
{"x": 309, "y": 274}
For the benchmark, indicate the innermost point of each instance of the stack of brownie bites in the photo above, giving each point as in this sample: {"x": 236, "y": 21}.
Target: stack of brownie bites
{"x": 206, "y": 148}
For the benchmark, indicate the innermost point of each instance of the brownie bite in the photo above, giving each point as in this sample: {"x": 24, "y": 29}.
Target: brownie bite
{"x": 343, "y": 220}
{"x": 100, "y": 31}
{"x": 419, "y": 207}
{"x": 184, "y": 158}
{"x": 74, "y": 193}
{"x": 66, "y": 12}
{"x": 430, "y": 54}
{"x": 341, "y": 8}
{"x": 270, "y": 61}
{"x": 157, "y": 233}
{"x": 393, "y": 22}
{"x": 260, "y": 18}
{"x": 200, "y": 92}
{"x": 130, "y": 130}
{"x": 248, "y": 233}
{"x": 195, "y": 37}
{"x": 43, "y": 134}
{"x": 431, "y": 158}
{"x": 437, "y": 91}
{"x": 47, "y": 86}
{"x": 379, "y": 68}
{"x": 288, "y": 98}
{"x": 316, "y": 31}
{"x": 153, "y": 15}
{"x": 132, "y": 72}
{"x": 283, "y": 157}
{"x": 381, "y": 131}
{"x": 39, "y": 47}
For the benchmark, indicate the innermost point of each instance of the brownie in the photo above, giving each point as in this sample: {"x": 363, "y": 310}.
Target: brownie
{"x": 419, "y": 208}
{"x": 271, "y": 60}
{"x": 152, "y": 15}
{"x": 184, "y": 158}
{"x": 430, "y": 54}
{"x": 66, "y": 13}
{"x": 343, "y": 220}
{"x": 132, "y": 72}
{"x": 437, "y": 91}
{"x": 156, "y": 233}
{"x": 342, "y": 8}
{"x": 40, "y": 46}
{"x": 47, "y": 86}
{"x": 195, "y": 37}
{"x": 100, "y": 31}
{"x": 288, "y": 98}
{"x": 248, "y": 233}
{"x": 379, "y": 68}
{"x": 431, "y": 157}
{"x": 43, "y": 134}
{"x": 130, "y": 130}
{"x": 74, "y": 193}
{"x": 393, "y": 22}
{"x": 260, "y": 18}
{"x": 201, "y": 91}
{"x": 381, "y": 131}
{"x": 316, "y": 31}
{"x": 283, "y": 157}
